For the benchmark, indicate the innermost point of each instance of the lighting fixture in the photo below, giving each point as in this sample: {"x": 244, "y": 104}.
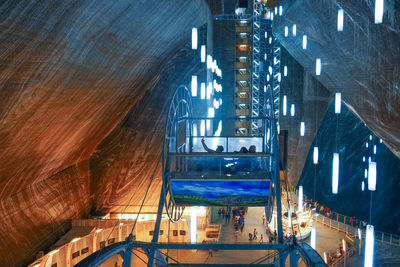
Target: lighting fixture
{"x": 369, "y": 246}
{"x": 294, "y": 29}
{"x": 202, "y": 91}
{"x": 194, "y": 38}
{"x": 372, "y": 176}
{"x": 292, "y": 111}
{"x": 315, "y": 155}
{"x": 302, "y": 128}
{"x": 194, "y": 85}
{"x": 203, "y": 53}
{"x": 340, "y": 16}
{"x": 338, "y": 102}
{"x": 285, "y": 71}
{"x": 318, "y": 66}
{"x": 284, "y": 105}
{"x": 304, "y": 41}
{"x": 335, "y": 173}
{"x": 300, "y": 198}
{"x": 379, "y": 11}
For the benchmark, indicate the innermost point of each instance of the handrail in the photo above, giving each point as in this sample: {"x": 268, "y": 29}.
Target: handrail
{"x": 383, "y": 237}
{"x": 221, "y": 155}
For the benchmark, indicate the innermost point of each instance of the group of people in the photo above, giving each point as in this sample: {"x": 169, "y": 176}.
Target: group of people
{"x": 220, "y": 149}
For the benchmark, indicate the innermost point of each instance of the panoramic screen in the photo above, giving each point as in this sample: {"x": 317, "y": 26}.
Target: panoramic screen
{"x": 221, "y": 192}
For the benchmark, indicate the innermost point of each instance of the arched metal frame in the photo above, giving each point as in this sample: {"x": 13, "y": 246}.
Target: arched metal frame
{"x": 180, "y": 109}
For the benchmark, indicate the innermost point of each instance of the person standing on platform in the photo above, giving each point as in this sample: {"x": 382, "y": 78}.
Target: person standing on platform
{"x": 223, "y": 213}
{"x": 261, "y": 239}
{"x": 255, "y": 233}
{"x": 210, "y": 252}
{"x": 263, "y": 219}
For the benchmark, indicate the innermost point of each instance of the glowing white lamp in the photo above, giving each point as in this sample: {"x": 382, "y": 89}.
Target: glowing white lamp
{"x": 302, "y": 128}
{"x": 379, "y": 11}
{"x": 209, "y": 62}
{"x": 290, "y": 216}
{"x": 203, "y": 53}
{"x": 194, "y": 129}
{"x": 366, "y": 144}
{"x": 280, "y": 10}
{"x": 362, "y": 186}
{"x": 372, "y": 176}
{"x": 278, "y": 128}
{"x": 300, "y": 198}
{"x": 292, "y": 111}
{"x": 294, "y": 29}
{"x": 374, "y": 149}
{"x": 363, "y": 159}
{"x": 335, "y": 173}
{"x": 193, "y": 225}
{"x": 365, "y": 173}
{"x": 313, "y": 237}
{"x": 284, "y": 107}
{"x": 340, "y": 16}
{"x": 325, "y": 259}
{"x": 318, "y": 66}
{"x": 276, "y": 10}
{"x": 304, "y": 42}
{"x": 208, "y": 125}
{"x": 211, "y": 112}
{"x": 194, "y": 38}
{"x": 286, "y": 31}
{"x": 209, "y": 90}
{"x": 202, "y": 91}
{"x": 202, "y": 127}
{"x": 369, "y": 246}
{"x": 285, "y": 71}
{"x": 194, "y": 85}
{"x": 344, "y": 245}
{"x": 380, "y": 141}
{"x": 359, "y": 233}
{"x": 370, "y": 137}
{"x": 338, "y": 102}
{"x": 315, "y": 155}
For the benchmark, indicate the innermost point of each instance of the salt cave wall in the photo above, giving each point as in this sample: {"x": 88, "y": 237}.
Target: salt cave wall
{"x": 362, "y": 62}
{"x": 70, "y": 71}
{"x": 347, "y": 135}
{"x": 311, "y": 100}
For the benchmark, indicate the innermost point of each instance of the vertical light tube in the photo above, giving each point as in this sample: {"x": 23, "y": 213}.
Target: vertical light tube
{"x": 209, "y": 62}
{"x": 284, "y": 105}
{"x": 194, "y": 85}
{"x": 365, "y": 173}
{"x": 338, "y": 102}
{"x": 359, "y": 233}
{"x": 194, "y": 129}
{"x": 340, "y": 16}
{"x": 208, "y": 125}
{"x": 326, "y": 261}
{"x": 335, "y": 173}
{"x": 280, "y": 10}
{"x": 202, "y": 128}
{"x": 364, "y": 159}
{"x": 294, "y": 30}
{"x": 369, "y": 246}
{"x": 194, "y": 38}
{"x": 292, "y": 111}
{"x": 344, "y": 245}
{"x": 318, "y": 66}
{"x": 370, "y": 137}
{"x": 193, "y": 225}
{"x": 211, "y": 112}
{"x": 379, "y": 11}
{"x": 278, "y": 128}
{"x": 362, "y": 186}
{"x": 302, "y": 128}
{"x": 374, "y": 149}
{"x": 313, "y": 237}
{"x": 304, "y": 42}
{"x": 290, "y": 216}
{"x": 203, "y": 53}
{"x": 372, "y": 176}
{"x": 202, "y": 91}
{"x": 285, "y": 71}
{"x": 209, "y": 90}
{"x": 286, "y": 31}
{"x": 300, "y": 208}
{"x": 315, "y": 155}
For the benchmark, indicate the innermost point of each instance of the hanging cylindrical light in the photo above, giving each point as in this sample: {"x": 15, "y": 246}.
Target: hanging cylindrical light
{"x": 194, "y": 85}
{"x": 335, "y": 173}
{"x": 203, "y": 53}
{"x": 302, "y": 128}
{"x": 294, "y": 30}
{"x": 372, "y": 176}
{"x": 300, "y": 198}
{"x": 194, "y": 38}
{"x": 284, "y": 106}
{"x": 340, "y": 17}
{"x": 362, "y": 186}
{"x": 202, "y": 91}
{"x": 315, "y": 156}
{"x": 313, "y": 237}
{"x": 193, "y": 225}
{"x": 338, "y": 102}
{"x": 318, "y": 66}
{"x": 292, "y": 111}
{"x": 290, "y": 216}
{"x": 369, "y": 246}
{"x": 304, "y": 41}
{"x": 379, "y": 11}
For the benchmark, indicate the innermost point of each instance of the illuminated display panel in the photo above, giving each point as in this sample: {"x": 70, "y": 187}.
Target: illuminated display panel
{"x": 221, "y": 192}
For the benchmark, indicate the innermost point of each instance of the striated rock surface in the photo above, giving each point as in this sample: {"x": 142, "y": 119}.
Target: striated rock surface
{"x": 347, "y": 135}
{"x": 70, "y": 71}
{"x": 362, "y": 62}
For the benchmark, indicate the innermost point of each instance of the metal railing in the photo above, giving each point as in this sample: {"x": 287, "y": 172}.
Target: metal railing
{"x": 341, "y": 261}
{"x": 337, "y": 224}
